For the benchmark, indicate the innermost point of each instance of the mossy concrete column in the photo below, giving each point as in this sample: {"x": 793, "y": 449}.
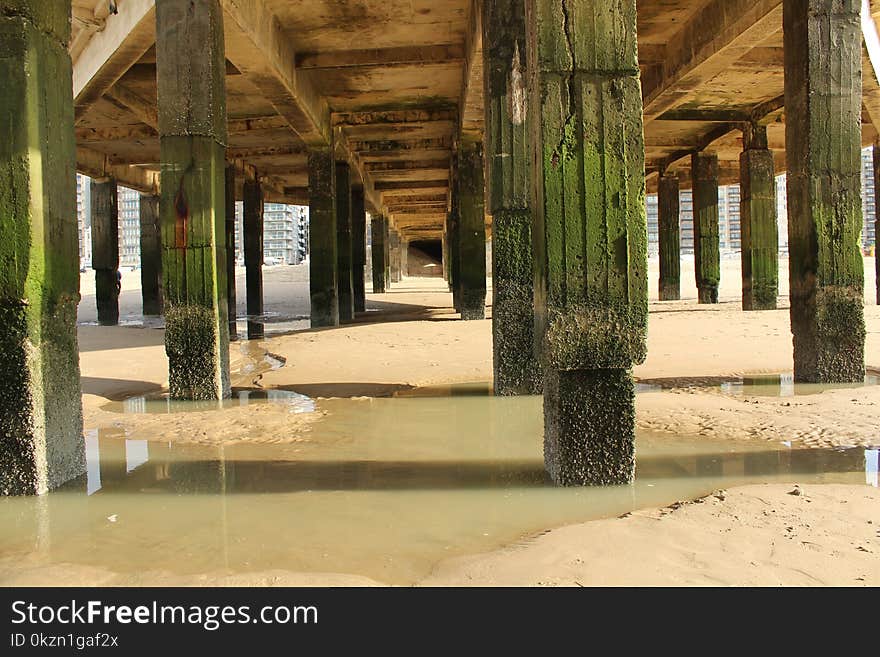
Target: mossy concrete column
{"x": 377, "y": 253}
{"x": 516, "y": 369}
{"x": 759, "y": 228}
{"x": 358, "y": 247}
{"x": 344, "y": 248}
{"x": 322, "y": 238}
{"x": 252, "y": 215}
{"x": 41, "y": 443}
{"x": 823, "y": 103}
{"x": 590, "y": 233}
{"x": 105, "y": 249}
{"x": 192, "y": 205}
{"x": 707, "y": 246}
{"x": 471, "y": 231}
{"x": 394, "y": 255}
{"x": 668, "y": 219}
{"x": 151, "y": 255}
{"x": 876, "y": 154}
{"x": 453, "y": 222}
{"x": 232, "y": 308}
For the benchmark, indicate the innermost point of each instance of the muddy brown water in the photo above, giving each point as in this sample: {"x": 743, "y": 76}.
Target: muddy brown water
{"x": 384, "y": 488}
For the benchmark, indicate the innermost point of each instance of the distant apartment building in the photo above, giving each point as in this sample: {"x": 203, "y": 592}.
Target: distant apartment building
{"x": 128, "y": 207}
{"x": 285, "y": 233}
{"x": 869, "y": 202}
{"x": 83, "y": 220}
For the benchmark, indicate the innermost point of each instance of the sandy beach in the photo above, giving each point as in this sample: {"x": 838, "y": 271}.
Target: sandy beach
{"x": 411, "y": 338}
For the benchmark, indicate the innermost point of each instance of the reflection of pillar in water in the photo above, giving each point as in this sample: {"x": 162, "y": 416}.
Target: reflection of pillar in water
{"x": 762, "y": 464}
{"x": 111, "y": 448}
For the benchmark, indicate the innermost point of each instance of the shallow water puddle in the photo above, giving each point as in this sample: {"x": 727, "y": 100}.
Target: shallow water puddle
{"x": 783, "y": 385}
{"x": 384, "y": 488}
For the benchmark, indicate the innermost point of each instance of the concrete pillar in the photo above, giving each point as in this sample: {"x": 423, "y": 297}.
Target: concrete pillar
{"x": 670, "y": 239}
{"x": 444, "y": 249}
{"x": 823, "y": 103}
{"x": 322, "y": 238}
{"x": 344, "y": 249}
{"x": 758, "y": 221}
{"x": 253, "y": 255}
{"x": 388, "y": 229}
{"x": 151, "y": 255}
{"x": 394, "y": 255}
{"x": 105, "y": 249}
{"x": 471, "y": 231}
{"x": 404, "y": 256}
{"x": 707, "y": 253}
{"x": 377, "y": 253}
{"x": 876, "y": 153}
{"x": 452, "y": 228}
{"x": 515, "y": 366}
{"x": 231, "y": 305}
{"x": 40, "y": 402}
{"x": 192, "y": 133}
{"x": 591, "y": 296}
{"x": 358, "y": 246}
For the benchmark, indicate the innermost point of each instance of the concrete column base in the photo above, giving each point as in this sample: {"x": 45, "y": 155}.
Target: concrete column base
{"x": 589, "y": 427}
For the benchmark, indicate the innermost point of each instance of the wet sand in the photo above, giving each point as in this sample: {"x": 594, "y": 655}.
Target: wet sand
{"x": 692, "y": 351}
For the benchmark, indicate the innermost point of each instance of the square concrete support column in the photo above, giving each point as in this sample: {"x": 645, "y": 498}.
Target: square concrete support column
{"x": 377, "y": 253}
{"x": 253, "y": 255}
{"x": 759, "y": 228}
{"x": 823, "y": 106}
{"x": 444, "y": 250}
{"x": 358, "y": 247}
{"x": 322, "y": 239}
{"x": 105, "y": 249}
{"x": 231, "y": 305}
{"x": 471, "y": 231}
{"x": 192, "y": 205}
{"x": 394, "y": 255}
{"x": 876, "y": 154}
{"x": 151, "y": 255}
{"x": 590, "y": 233}
{"x": 387, "y": 243}
{"x": 453, "y": 221}
{"x": 344, "y": 248}
{"x": 41, "y": 443}
{"x": 516, "y": 368}
{"x": 668, "y": 219}
{"x": 707, "y": 247}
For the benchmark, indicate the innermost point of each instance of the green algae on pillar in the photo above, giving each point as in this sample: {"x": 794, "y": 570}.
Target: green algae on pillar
{"x": 668, "y": 220}
{"x": 41, "y": 444}
{"x": 192, "y": 132}
{"x": 322, "y": 239}
{"x": 758, "y": 221}
{"x": 151, "y": 255}
{"x": 377, "y": 253}
{"x": 358, "y": 247}
{"x": 471, "y": 231}
{"x": 590, "y": 233}
{"x": 232, "y": 309}
{"x": 105, "y": 249}
{"x": 707, "y": 247}
{"x": 252, "y": 224}
{"x": 823, "y": 104}
{"x": 516, "y": 369}
{"x": 344, "y": 249}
